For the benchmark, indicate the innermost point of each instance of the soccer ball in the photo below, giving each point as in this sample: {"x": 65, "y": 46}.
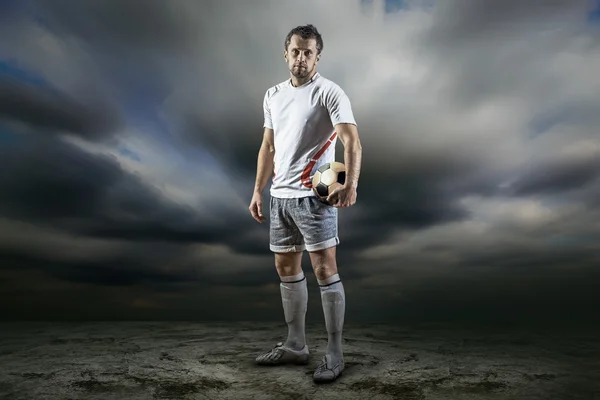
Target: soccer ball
{"x": 327, "y": 178}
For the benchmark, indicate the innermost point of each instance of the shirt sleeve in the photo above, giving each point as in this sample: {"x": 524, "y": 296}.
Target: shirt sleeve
{"x": 339, "y": 107}
{"x": 267, "y": 112}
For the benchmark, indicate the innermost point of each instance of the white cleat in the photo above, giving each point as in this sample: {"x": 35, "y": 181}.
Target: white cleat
{"x": 280, "y": 355}
{"x": 328, "y": 371}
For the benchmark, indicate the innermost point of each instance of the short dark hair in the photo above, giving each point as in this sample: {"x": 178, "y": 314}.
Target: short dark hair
{"x": 305, "y": 32}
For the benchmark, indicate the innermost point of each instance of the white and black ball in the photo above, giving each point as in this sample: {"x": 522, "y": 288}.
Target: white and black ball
{"x": 327, "y": 177}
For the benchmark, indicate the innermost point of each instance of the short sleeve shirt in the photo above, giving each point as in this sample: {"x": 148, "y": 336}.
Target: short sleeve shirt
{"x": 303, "y": 120}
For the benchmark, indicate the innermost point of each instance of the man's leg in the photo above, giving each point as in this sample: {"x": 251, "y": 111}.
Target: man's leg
{"x": 287, "y": 244}
{"x": 318, "y": 223}
{"x": 294, "y": 297}
{"x": 333, "y": 300}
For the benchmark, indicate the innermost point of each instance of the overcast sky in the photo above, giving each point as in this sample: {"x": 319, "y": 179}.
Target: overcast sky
{"x": 129, "y": 132}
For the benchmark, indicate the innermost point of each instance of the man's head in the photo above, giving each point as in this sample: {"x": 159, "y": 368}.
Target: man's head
{"x": 303, "y": 46}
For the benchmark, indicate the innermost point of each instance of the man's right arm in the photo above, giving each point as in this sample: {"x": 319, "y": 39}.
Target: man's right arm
{"x": 264, "y": 171}
{"x": 265, "y": 165}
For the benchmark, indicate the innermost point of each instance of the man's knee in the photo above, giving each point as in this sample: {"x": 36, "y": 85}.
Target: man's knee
{"x": 288, "y": 264}
{"x": 324, "y": 263}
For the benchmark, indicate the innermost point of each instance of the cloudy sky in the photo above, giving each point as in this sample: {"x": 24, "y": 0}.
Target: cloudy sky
{"x": 129, "y": 132}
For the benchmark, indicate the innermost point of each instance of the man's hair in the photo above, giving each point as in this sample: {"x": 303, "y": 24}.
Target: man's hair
{"x": 305, "y": 32}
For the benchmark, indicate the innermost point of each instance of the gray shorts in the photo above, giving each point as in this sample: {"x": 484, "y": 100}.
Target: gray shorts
{"x": 300, "y": 224}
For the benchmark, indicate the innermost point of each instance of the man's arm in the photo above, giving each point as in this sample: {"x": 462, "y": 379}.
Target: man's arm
{"x": 264, "y": 171}
{"x": 348, "y": 134}
{"x": 264, "y": 165}
{"x": 342, "y": 118}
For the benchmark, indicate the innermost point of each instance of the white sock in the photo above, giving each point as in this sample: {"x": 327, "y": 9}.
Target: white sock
{"x": 294, "y": 297}
{"x": 333, "y": 300}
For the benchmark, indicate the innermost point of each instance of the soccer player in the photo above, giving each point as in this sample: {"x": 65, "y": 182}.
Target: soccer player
{"x": 303, "y": 117}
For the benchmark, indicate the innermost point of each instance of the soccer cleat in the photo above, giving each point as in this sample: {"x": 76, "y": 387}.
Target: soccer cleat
{"x": 327, "y": 371}
{"x": 280, "y": 355}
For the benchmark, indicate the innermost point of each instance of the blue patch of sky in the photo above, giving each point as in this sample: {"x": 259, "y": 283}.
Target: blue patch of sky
{"x": 573, "y": 112}
{"x": 392, "y": 6}
{"x": 7, "y": 137}
{"x": 10, "y": 69}
{"x": 389, "y": 6}
{"x": 130, "y": 154}
{"x": 546, "y": 121}
{"x": 593, "y": 15}
{"x": 8, "y": 7}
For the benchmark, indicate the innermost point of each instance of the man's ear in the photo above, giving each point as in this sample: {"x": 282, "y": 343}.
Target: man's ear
{"x": 285, "y": 54}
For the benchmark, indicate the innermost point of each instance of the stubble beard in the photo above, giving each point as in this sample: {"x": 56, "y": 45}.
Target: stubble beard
{"x": 300, "y": 73}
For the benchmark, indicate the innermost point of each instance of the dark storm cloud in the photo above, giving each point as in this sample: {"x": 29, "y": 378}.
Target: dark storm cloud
{"x": 527, "y": 261}
{"x": 249, "y": 240}
{"x": 409, "y": 204}
{"x": 152, "y": 25}
{"x": 392, "y": 195}
{"x": 106, "y": 275}
{"x": 591, "y": 195}
{"x": 491, "y": 275}
{"x": 176, "y": 43}
{"x": 512, "y": 282}
{"x": 499, "y": 298}
{"x": 242, "y": 278}
{"x": 556, "y": 177}
{"x": 118, "y": 270}
{"x": 55, "y": 183}
{"x": 430, "y": 139}
{"x": 466, "y": 19}
{"x": 506, "y": 50}
{"x": 47, "y": 180}
{"x": 235, "y": 140}
{"x": 547, "y": 176}
{"x": 52, "y": 111}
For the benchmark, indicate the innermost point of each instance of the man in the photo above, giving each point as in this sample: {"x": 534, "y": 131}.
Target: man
{"x": 303, "y": 117}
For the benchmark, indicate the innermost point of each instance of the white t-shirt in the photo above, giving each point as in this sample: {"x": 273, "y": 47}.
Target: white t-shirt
{"x": 303, "y": 120}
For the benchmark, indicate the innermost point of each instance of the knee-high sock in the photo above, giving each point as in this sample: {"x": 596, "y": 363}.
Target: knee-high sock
{"x": 333, "y": 299}
{"x": 294, "y": 297}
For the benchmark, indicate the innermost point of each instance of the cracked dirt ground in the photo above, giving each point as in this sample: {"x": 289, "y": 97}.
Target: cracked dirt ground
{"x": 181, "y": 360}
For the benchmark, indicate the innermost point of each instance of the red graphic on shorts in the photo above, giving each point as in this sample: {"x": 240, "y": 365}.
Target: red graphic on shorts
{"x": 305, "y": 178}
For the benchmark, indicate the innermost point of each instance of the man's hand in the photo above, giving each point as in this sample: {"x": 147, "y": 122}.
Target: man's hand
{"x": 256, "y": 207}
{"x": 342, "y": 196}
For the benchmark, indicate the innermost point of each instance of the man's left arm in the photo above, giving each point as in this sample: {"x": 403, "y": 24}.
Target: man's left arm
{"x": 342, "y": 118}
{"x": 346, "y": 195}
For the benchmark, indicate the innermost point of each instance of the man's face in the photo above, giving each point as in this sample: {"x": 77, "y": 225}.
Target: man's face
{"x": 301, "y": 56}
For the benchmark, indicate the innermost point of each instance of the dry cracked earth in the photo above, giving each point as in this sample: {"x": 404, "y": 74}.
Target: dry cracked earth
{"x": 166, "y": 360}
